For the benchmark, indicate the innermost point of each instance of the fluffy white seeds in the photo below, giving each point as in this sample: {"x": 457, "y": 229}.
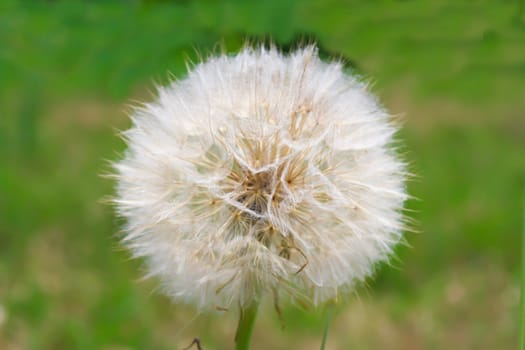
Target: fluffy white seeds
{"x": 260, "y": 173}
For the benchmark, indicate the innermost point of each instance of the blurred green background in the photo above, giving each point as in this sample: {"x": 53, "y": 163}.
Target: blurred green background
{"x": 454, "y": 71}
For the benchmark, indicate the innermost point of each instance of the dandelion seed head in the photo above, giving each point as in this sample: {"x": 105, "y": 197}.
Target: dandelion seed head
{"x": 261, "y": 172}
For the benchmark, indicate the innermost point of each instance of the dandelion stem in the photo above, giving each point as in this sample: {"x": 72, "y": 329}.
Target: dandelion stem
{"x": 522, "y": 294}
{"x": 327, "y": 324}
{"x": 245, "y": 327}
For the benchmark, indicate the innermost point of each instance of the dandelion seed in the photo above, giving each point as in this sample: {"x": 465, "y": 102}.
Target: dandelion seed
{"x": 261, "y": 173}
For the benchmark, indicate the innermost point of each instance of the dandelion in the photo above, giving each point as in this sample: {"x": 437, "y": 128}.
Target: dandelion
{"x": 261, "y": 173}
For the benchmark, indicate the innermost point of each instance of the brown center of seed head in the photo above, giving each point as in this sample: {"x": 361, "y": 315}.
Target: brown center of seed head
{"x": 258, "y": 192}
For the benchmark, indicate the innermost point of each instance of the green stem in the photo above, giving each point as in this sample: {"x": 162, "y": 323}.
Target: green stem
{"x": 522, "y": 294}
{"x": 245, "y": 327}
{"x": 327, "y": 324}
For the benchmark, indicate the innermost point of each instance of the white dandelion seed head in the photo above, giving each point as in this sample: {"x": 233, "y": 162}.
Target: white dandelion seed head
{"x": 261, "y": 172}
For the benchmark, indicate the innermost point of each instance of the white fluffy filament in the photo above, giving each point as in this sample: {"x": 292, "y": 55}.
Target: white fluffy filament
{"x": 258, "y": 173}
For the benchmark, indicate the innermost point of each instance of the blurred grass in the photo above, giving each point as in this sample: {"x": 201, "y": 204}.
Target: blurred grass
{"x": 454, "y": 70}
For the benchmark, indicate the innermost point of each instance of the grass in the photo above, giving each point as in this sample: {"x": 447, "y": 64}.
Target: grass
{"x": 522, "y": 287}
{"x": 455, "y": 70}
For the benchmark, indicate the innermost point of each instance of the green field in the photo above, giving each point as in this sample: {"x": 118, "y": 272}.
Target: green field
{"x": 453, "y": 70}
